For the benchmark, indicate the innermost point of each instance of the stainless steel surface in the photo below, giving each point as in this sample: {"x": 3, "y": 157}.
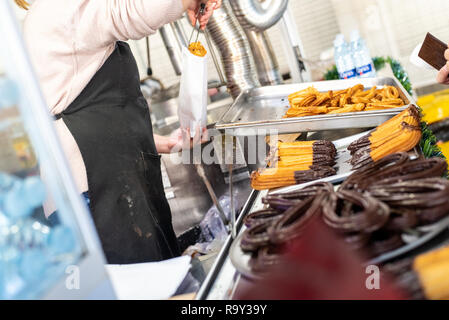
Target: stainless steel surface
{"x": 257, "y": 15}
{"x": 263, "y": 108}
{"x": 173, "y": 47}
{"x": 238, "y": 62}
{"x": 190, "y": 199}
{"x": 264, "y": 57}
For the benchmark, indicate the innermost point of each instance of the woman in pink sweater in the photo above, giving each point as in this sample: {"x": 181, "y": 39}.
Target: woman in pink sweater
{"x": 91, "y": 84}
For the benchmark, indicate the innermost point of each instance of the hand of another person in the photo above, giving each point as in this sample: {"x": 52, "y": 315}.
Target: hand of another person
{"x": 443, "y": 75}
{"x": 194, "y": 6}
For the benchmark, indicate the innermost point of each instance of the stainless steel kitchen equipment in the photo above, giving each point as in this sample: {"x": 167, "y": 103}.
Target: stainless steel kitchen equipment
{"x": 231, "y": 267}
{"x": 264, "y": 108}
{"x": 256, "y": 17}
{"x": 237, "y": 60}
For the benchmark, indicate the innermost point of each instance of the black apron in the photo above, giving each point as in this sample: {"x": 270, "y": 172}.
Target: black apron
{"x": 111, "y": 124}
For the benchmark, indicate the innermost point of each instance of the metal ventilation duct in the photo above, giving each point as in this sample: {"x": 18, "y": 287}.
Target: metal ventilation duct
{"x": 259, "y": 16}
{"x": 230, "y": 39}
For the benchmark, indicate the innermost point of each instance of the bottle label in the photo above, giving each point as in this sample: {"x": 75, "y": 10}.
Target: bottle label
{"x": 364, "y": 69}
{"x": 348, "y": 74}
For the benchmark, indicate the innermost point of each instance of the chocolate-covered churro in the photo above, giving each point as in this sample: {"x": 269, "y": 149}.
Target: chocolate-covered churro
{"x": 295, "y": 163}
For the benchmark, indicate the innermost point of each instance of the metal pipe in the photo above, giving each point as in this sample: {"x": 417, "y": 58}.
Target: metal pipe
{"x": 266, "y": 62}
{"x": 180, "y": 32}
{"x": 215, "y": 59}
{"x": 259, "y": 16}
{"x": 173, "y": 47}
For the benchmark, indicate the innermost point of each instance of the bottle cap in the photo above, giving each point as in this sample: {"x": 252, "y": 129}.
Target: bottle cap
{"x": 355, "y": 35}
{"x": 339, "y": 40}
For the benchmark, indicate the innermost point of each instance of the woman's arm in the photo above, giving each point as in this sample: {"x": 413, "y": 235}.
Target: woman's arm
{"x": 102, "y": 22}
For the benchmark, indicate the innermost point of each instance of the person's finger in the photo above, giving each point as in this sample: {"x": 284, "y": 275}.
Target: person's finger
{"x": 446, "y": 54}
{"x": 210, "y": 7}
{"x": 192, "y": 17}
{"x": 205, "y": 136}
{"x": 447, "y": 79}
{"x": 204, "y": 19}
{"x": 218, "y": 4}
{"x": 443, "y": 74}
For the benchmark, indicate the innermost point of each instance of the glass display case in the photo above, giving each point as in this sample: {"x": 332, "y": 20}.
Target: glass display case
{"x": 39, "y": 259}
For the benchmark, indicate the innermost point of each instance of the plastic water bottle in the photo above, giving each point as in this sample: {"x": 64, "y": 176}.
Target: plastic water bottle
{"x": 362, "y": 57}
{"x": 343, "y": 58}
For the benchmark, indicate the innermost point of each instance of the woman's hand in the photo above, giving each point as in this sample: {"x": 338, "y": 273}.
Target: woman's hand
{"x": 178, "y": 141}
{"x": 193, "y": 6}
{"x": 443, "y": 75}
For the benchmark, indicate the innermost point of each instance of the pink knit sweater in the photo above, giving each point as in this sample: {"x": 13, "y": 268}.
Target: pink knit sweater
{"x": 69, "y": 40}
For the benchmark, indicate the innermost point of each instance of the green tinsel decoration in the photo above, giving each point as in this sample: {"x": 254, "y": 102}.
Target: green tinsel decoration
{"x": 428, "y": 143}
{"x": 332, "y": 74}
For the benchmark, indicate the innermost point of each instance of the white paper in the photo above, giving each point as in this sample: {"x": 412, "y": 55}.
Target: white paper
{"x": 148, "y": 281}
{"x": 192, "y": 110}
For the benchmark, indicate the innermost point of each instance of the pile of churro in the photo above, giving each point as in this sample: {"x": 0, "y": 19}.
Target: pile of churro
{"x": 197, "y": 49}
{"x": 295, "y": 163}
{"x": 311, "y": 102}
{"x": 399, "y": 134}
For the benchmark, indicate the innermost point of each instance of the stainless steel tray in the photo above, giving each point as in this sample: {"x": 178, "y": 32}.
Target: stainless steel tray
{"x": 263, "y": 109}
{"x": 412, "y": 239}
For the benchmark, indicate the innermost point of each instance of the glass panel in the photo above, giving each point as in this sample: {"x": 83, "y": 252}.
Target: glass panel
{"x": 34, "y": 251}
